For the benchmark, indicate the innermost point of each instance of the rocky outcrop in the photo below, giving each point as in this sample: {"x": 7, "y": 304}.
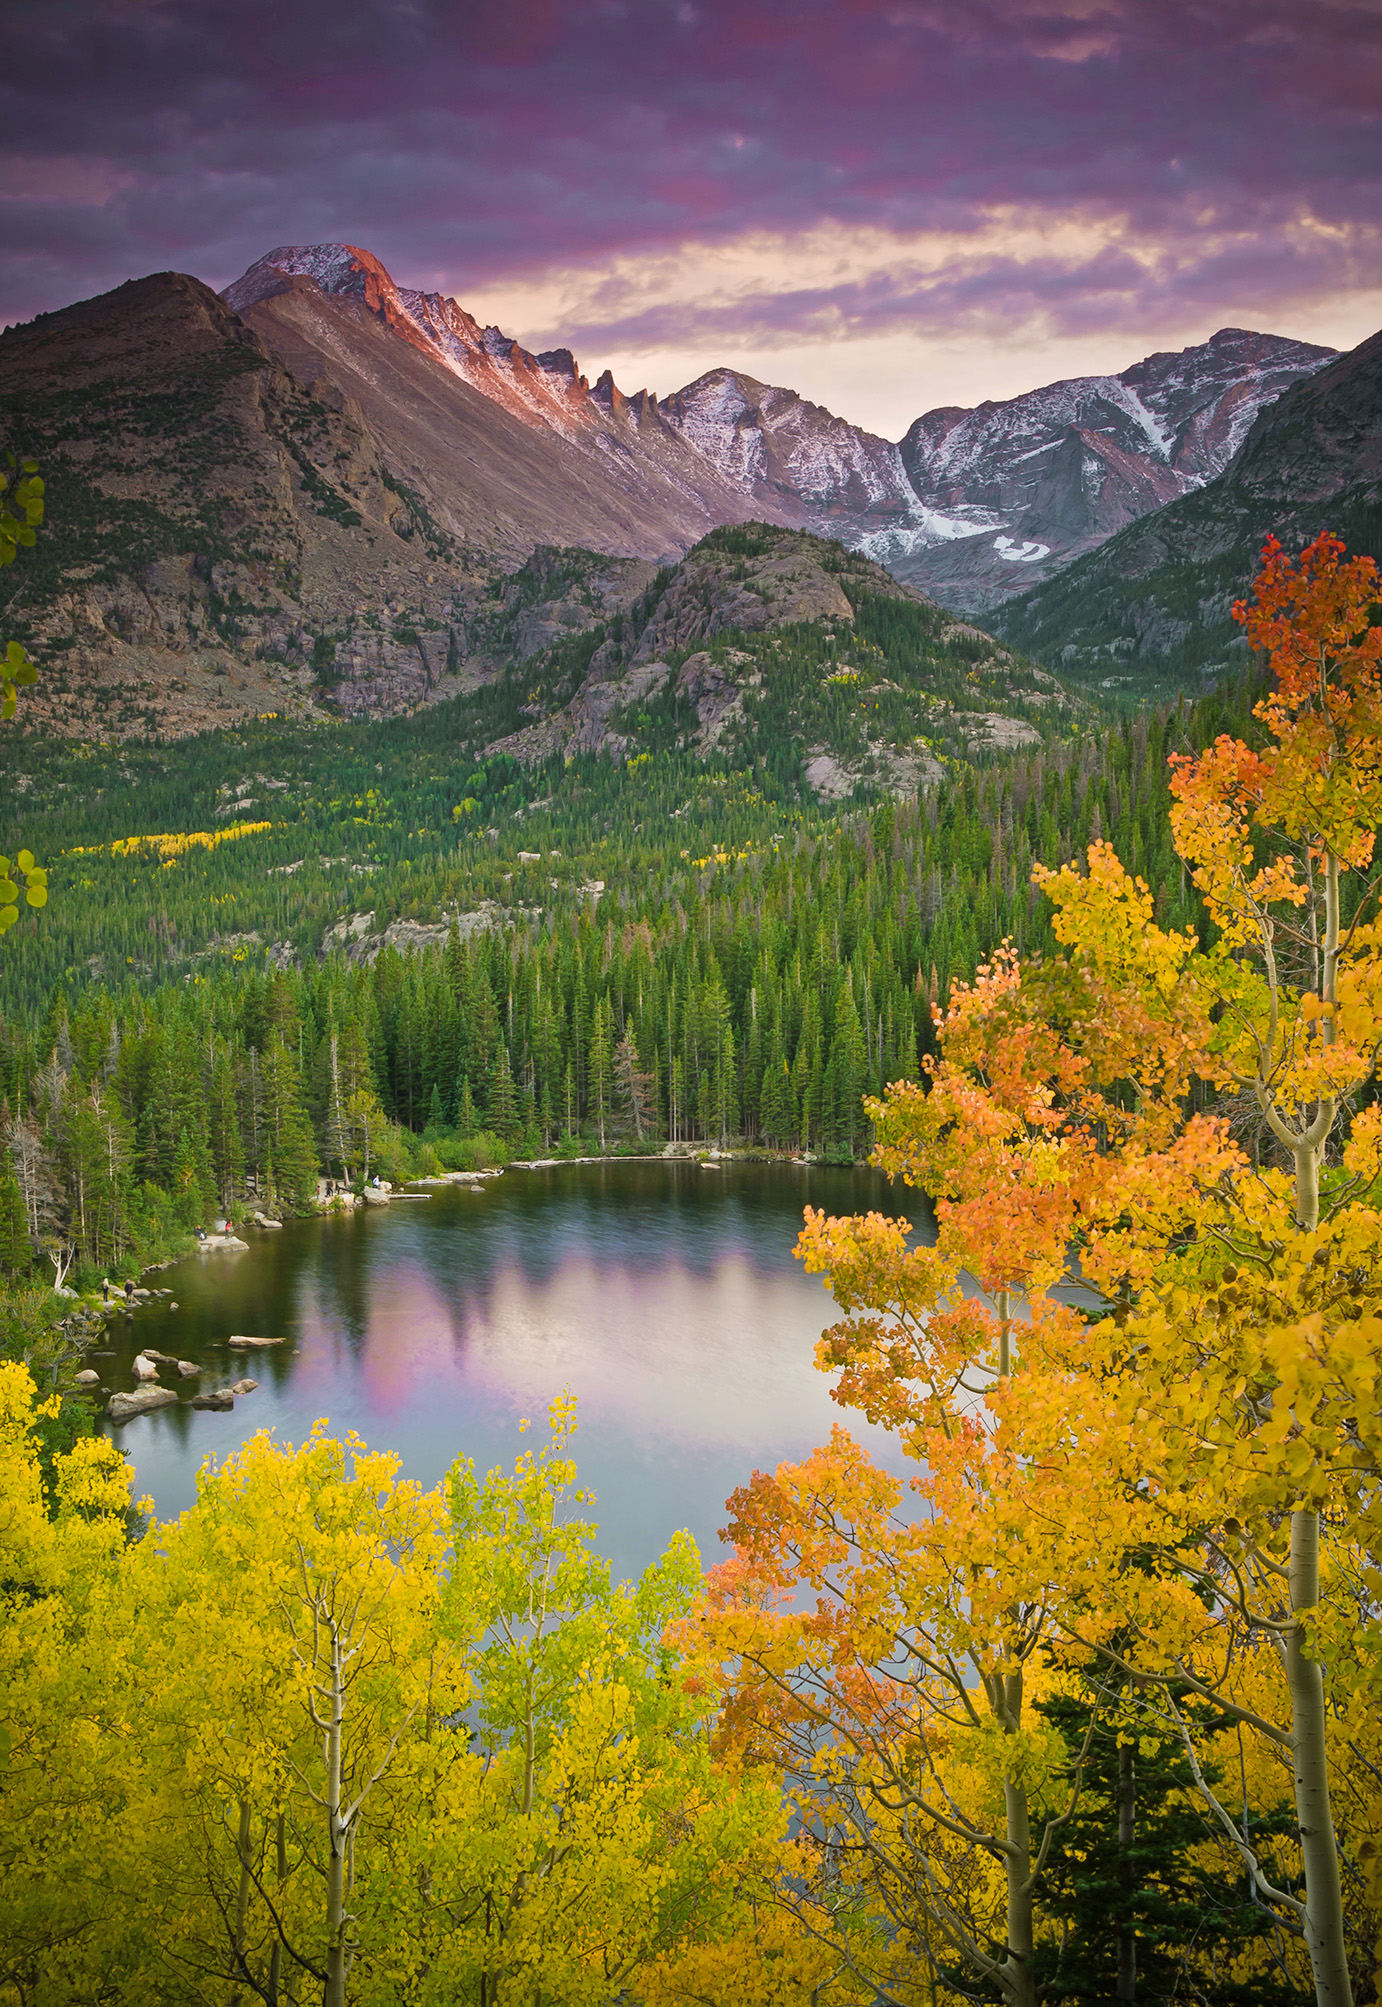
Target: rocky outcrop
{"x": 144, "y": 1401}
{"x": 749, "y": 580}
{"x": 705, "y": 659}
{"x": 360, "y": 941}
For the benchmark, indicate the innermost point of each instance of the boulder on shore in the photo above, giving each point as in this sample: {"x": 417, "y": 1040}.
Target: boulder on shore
{"x": 123, "y": 1407}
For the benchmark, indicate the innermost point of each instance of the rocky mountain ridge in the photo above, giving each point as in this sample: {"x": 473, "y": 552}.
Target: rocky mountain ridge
{"x": 974, "y": 505}
{"x": 507, "y": 449}
{"x": 761, "y": 639}
{"x": 1148, "y": 612}
{"x": 325, "y": 493}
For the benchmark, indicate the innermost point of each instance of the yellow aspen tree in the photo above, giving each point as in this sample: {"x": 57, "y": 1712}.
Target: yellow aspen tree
{"x": 1205, "y": 1435}
{"x": 285, "y": 1645}
{"x": 884, "y": 1644}
{"x": 581, "y": 1834}
{"x": 61, "y": 1796}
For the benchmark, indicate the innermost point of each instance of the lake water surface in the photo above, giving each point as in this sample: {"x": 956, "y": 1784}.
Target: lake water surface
{"x": 663, "y": 1295}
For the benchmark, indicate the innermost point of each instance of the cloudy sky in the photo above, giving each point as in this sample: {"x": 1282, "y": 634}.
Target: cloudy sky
{"x": 888, "y": 204}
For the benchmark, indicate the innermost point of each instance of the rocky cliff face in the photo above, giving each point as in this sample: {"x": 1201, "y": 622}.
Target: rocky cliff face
{"x": 1149, "y": 611}
{"x": 220, "y": 541}
{"x": 507, "y": 449}
{"x": 975, "y": 505}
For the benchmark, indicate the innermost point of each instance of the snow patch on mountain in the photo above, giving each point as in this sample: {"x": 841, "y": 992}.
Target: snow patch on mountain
{"x": 959, "y": 506}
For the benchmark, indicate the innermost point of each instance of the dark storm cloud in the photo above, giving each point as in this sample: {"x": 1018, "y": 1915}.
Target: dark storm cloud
{"x": 476, "y": 142}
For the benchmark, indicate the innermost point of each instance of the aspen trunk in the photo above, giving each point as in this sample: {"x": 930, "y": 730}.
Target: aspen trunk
{"x": 1324, "y": 1912}
{"x": 1127, "y": 1873}
{"x": 276, "y": 1960}
{"x": 1003, "y": 1302}
{"x": 242, "y": 1894}
{"x": 1307, "y": 1189}
{"x": 337, "y": 1960}
{"x": 1019, "y": 1984}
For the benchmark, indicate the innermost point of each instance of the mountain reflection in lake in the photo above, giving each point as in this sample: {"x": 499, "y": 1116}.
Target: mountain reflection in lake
{"x": 663, "y": 1295}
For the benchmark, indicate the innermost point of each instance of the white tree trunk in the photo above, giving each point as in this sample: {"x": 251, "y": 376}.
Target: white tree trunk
{"x": 337, "y": 1922}
{"x": 1324, "y": 1912}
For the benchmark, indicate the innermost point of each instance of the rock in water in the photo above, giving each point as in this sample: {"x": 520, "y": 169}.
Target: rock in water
{"x": 144, "y": 1368}
{"x": 123, "y": 1407}
{"x": 253, "y": 1343}
{"x": 187, "y": 1369}
{"x": 244, "y": 1386}
{"x": 222, "y": 1399}
{"x": 88, "y": 1378}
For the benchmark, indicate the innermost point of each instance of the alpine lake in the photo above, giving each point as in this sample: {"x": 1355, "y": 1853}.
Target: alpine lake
{"x": 665, "y": 1296}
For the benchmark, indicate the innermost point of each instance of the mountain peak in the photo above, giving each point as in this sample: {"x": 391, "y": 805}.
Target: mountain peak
{"x": 542, "y": 390}
{"x": 344, "y": 271}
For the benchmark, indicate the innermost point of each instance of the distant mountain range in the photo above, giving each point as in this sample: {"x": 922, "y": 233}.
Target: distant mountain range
{"x": 1148, "y": 612}
{"x": 971, "y": 505}
{"x": 324, "y": 489}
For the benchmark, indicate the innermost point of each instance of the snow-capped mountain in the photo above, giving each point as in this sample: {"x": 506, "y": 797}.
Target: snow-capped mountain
{"x": 973, "y": 505}
{"x": 1149, "y": 610}
{"x": 766, "y": 439}
{"x": 1049, "y": 475}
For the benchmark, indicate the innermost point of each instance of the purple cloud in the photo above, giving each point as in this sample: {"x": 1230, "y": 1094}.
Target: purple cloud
{"x": 469, "y": 145}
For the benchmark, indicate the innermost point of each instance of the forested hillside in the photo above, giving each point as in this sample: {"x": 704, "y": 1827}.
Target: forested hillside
{"x": 762, "y": 683}
{"x": 751, "y": 992}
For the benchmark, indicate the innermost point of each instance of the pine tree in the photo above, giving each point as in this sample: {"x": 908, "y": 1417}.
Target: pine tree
{"x": 504, "y": 1117}
{"x": 223, "y": 1127}
{"x": 1140, "y": 1885}
{"x": 467, "y": 1121}
{"x": 287, "y": 1130}
{"x": 193, "y": 1186}
{"x": 16, "y": 1248}
{"x": 600, "y": 1066}
{"x": 633, "y": 1088}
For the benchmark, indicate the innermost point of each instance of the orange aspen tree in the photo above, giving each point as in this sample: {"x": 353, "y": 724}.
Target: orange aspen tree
{"x": 1200, "y": 1438}
{"x": 1262, "y": 1427}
